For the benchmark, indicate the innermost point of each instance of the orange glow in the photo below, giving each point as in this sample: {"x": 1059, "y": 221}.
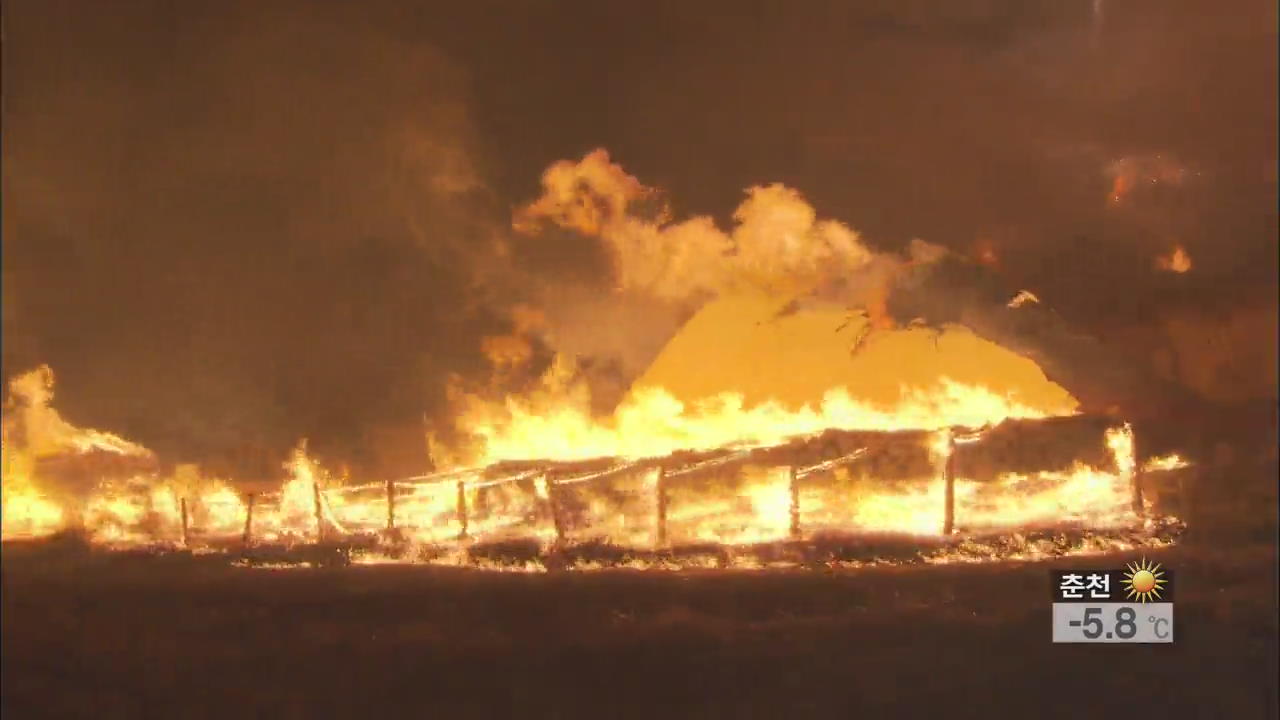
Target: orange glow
{"x": 1132, "y": 172}
{"x": 739, "y": 344}
{"x": 984, "y": 251}
{"x": 1177, "y": 261}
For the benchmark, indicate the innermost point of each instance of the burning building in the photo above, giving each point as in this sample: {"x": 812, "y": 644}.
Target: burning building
{"x": 796, "y": 407}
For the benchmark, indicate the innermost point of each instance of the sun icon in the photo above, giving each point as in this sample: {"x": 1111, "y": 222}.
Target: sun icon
{"x": 1144, "y": 580}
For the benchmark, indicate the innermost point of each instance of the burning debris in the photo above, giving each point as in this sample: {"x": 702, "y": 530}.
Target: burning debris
{"x": 939, "y": 491}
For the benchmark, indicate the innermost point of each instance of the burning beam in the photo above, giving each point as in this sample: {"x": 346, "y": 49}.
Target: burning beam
{"x": 721, "y": 497}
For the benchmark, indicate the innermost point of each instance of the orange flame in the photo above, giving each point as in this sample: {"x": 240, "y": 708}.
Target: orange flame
{"x": 1177, "y": 261}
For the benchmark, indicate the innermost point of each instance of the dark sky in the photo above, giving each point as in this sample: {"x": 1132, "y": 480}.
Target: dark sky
{"x": 230, "y": 224}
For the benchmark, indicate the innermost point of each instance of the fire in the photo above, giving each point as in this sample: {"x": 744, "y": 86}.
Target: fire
{"x": 863, "y": 505}
{"x": 45, "y": 433}
{"x": 28, "y": 513}
{"x": 735, "y": 500}
{"x": 1022, "y": 298}
{"x": 1177, "y": 261}
{"x": 33, "y": 431}
{"x": 1120, "y": 440}
{"x": 559, "y": 425}
{"x": 640, "y": 501}
{"x": 126, "y": 505}
{"x": 1084, "y": 496}
{"x": 1165, "y": 462}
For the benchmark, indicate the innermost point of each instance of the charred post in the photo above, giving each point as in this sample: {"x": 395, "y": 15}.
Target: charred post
{"x": 462, "y": 510}
{"x": 1135, "y": 481}
{"x": 661, "y": 489}
{"x": 319, "y": 512}
{"x": 557, "y": 517}
{"x": 248, "y": 519}
{"x": 186, "y": 541}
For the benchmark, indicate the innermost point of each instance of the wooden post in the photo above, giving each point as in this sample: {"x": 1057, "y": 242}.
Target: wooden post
{"x": 949, "y": 483}
{"x": 661, "y": 490}
{"x": 248, "y": 520}
{"x": 462, "y": 509}
{"x": 795, "y": 502}
{"x": 1135, "y": 480}
{"x": 391, "y": 504}
{"x": 319, "y": 511}
{"x": 556, "y": 518}
{"x": 186, "y": 541}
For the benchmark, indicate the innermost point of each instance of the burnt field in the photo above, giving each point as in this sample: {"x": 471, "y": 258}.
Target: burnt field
{"x": 92, "y": 635}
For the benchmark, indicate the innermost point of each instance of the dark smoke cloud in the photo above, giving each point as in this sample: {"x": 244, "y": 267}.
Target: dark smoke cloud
{"x": 235, "y": 224}
{"x": 953, "y": 290}
{"x": 227, "y": 230}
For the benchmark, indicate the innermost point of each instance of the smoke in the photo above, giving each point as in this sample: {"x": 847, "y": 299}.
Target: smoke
{"x": 653, "y": 270}
{"x": 234, "y": 225}
{"x": 254, "y": 227}
{"x": 776, "y": 242}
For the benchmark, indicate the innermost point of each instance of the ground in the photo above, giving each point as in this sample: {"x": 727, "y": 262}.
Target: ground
{"x": 92, "y": 636}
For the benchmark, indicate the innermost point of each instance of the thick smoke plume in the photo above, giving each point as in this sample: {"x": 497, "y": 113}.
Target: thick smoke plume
{"x": 272, "y": 227}
{"x": 655, "y": 270}
{"x": 233, "y": 225}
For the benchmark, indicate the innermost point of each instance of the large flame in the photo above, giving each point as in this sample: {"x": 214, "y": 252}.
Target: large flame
{"x": 727, "y": 505}
{"x": 653, "y": 423}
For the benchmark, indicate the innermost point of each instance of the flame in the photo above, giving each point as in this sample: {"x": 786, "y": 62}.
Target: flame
{"x": 33, "y": 431}
{"x": 558, "y": 423}
{"x": 1022, "y": 298}
{"x": 754, "y": 504}
{"x": 865, "y": 505}
{"x": 1177, "y": 261}
{"x": 1165, "y": 462}
{"x": 1120, "y": 441}
{"x": 45, "y": 432}
{"x": 730, "y": 506}
{"x": 28, "y": 513}
{"x": 1084, "y": 496}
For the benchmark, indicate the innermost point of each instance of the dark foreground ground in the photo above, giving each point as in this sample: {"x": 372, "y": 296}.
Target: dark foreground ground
{"x": 92, "y": 636}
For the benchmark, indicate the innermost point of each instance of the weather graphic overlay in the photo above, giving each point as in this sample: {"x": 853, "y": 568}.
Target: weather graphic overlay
{"x": 1143, "y": 581}
{"x": 1129, "y": 605}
